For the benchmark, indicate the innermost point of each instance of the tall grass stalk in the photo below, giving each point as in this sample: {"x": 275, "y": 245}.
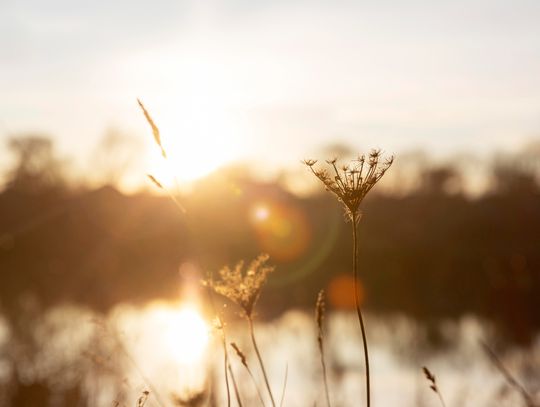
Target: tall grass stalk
{"x": 243, "y": 360}
{"x": 319, "y": 318}
{"x": 235, "y": 386}
{"x": 350, "y": 184}
{"x": 259, "y": 358}
{"x": 226, "y": 364}
{"x": 510, "y": 379}
{"x": 242, "y": 285}
{"x": 355, "y": 220}
{"x": 284, "y": 385}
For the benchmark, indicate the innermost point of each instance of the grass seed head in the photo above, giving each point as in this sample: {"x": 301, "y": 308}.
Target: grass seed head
{"x": 320, "y": 310}
{"x": 240, "y": 354}
{"x": 431, "y": 378}
{"x": 155, "y": 130}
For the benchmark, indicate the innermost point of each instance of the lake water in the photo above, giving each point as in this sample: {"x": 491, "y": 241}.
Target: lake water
{"x": 169, "y": 350}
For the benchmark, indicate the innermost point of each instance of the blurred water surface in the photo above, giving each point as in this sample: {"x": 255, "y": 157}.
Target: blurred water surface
{"x": 173, "y": 351}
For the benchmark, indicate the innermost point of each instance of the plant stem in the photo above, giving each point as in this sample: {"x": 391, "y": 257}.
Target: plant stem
{"x": 225, "y": 365}
{"x": 254, "y": 341}
{"x": 510, "y": 379}
{"x": 246, "y": 366}
{"x": 441, "y": 399}
{"x": 235, "y": 387}
{"x": 284, "y": 385}
{"x": 355, "y": 219}
{"x": 323, "y": 363}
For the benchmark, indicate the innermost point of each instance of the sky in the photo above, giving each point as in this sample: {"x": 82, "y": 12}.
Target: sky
{"x": 275, "y": 80}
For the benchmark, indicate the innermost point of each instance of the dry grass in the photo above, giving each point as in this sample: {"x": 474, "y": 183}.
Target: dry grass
{"x": 319, "y": 318}
{"x": 528, "y": 399}
{"x": 243, "y": 287}
{"x": 350, "y": 185}
{"x": 243, "y": 360}
{"x": 242, "y": 284}
{"x": 433, "y": 384}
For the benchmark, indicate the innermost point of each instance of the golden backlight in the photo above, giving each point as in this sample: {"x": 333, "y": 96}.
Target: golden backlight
{"x": 188, "y": 161}
{"x": 199, "y": 135}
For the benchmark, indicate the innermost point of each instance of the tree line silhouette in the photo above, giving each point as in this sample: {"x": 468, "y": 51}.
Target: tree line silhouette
{"x": 430, "y": 252}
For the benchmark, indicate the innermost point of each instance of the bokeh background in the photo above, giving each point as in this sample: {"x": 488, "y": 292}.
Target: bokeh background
{"x": 100, "y": 271}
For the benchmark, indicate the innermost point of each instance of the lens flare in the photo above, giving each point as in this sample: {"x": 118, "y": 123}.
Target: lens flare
{"x": 283, "y": 230}
{"x": 341, "y": 292}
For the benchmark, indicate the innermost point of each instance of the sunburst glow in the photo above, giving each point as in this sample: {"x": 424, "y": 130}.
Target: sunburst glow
{"x": 200, "y": 130}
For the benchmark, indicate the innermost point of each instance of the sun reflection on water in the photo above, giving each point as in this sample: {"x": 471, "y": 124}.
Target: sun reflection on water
{"x": 186, "y": 334}
{"x": 168, "y": 342}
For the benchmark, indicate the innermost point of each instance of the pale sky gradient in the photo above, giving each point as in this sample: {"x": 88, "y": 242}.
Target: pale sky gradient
{"x": 276, "y": 79}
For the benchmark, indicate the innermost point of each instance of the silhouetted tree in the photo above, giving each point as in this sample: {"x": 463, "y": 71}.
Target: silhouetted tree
{"x": 116, "y": 153}
{"x": 440, "y": 181}
{"x": 36, "y": 167}
{"x": 510, "y": 180}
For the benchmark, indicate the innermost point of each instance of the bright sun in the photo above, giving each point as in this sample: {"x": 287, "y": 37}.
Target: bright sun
{"x": 199, "y": 137}
{"x": 189, "y": 159}
{"x": 186, "y": 335}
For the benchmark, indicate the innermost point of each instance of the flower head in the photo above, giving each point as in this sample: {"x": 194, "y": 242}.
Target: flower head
{"x": 242, "y": 286}
{"x": 352, "y": 182}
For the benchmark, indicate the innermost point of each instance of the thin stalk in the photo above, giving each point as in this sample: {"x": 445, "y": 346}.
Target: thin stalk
{"x": 127, "y": 354}
{"x": 243, "y": 360}
{"x": 441, "y": 399}
{"x": 225, "y": 365}
{"x": 325, "y": 379}
{"x": 235, "y": 386}
{"x": 510, "y": 379}
{"x": 354, "y": 219}
{"x": 224, "y": 344}
{"x": 284, "y": 385}
{"x": 261, "y": 363}
{"x": 319, "y": 317}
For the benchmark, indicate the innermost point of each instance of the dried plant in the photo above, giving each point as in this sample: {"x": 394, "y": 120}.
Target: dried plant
{"x": 219, "y": 326}
{"x": 157, "y": 139}
{"x": 319, "y": 317}
{"x": 352, "y": 182}
{"x": 510, "y": 379}
{"x": 433, "y": 384}
{"x": 243, "y": 287}
{"x": 240, "y": 355}
{"x": 235, "y": 386}
{"x": 350, "y": 185}
{"x": 155, "y": 181}
{"x": 155, "y": 130}
{"x": 243, "y": 360}
{"x": 141, "y": 401}
{"x": 285, "y": 378}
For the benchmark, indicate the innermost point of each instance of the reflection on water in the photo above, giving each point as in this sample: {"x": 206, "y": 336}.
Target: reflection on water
{"x": 170, "y": 351}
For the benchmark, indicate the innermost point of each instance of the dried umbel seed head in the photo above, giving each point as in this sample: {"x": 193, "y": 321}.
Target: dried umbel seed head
{"x": 242, "y": 285}
{"x": 352, "y": 182}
